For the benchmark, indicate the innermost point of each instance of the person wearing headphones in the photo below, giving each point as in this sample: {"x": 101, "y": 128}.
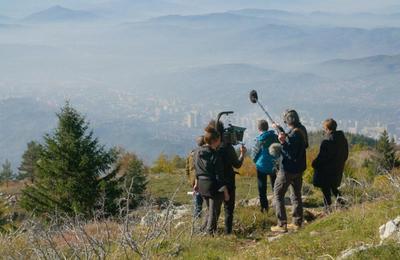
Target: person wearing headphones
{"x": 293, "y": 164}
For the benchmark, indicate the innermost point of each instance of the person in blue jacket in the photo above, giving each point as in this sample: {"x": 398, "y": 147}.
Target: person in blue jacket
{"x": 265, "y": 162}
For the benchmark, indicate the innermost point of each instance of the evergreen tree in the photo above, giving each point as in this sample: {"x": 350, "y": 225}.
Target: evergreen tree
{"x": 73, "y": 171}
{"x": 28, "y": 167}
{"x": 135, "y": 180}
{"x": 386, "y": 159}
{"x": 6, "y": 174}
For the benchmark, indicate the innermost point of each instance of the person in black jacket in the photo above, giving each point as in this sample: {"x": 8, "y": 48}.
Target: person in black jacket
{"x": 230, "y": 160}
{"x": 210, "y": 178}
{"x": 293, "y": 164}
{"x": 330, "y": 162}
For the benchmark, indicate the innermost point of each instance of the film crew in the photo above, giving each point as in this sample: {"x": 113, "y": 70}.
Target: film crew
{"x": 265, "y": 162}
{"x": 210, "y": 178}
{"x": 191, "y": 174}
{"x": 329, "y": 164}
{"x": 230, "y": 160}
{"x": 290, "y": 174}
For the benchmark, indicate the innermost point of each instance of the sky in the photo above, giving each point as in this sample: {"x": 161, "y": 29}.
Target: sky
{"x": 21, "y": 8}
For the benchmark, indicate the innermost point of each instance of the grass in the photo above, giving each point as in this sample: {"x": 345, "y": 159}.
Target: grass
{"x": 163, "y": 186}
{"x": 387, "y": 251}
{"x": 324, "y": 238}
{"x": 338, "y": 232}
{"x": 328, "y": 236}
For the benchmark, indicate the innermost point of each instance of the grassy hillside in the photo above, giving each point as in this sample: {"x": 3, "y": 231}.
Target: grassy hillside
{"x": 166, "y": 237}
{"x": 326, "y": 237}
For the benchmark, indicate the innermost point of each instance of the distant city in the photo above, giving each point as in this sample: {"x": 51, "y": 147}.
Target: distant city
{"x": 149, "y": 77}
{"x": 194, "y": 120}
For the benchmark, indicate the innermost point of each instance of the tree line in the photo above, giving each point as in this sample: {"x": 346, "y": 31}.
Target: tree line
{"x": 71, "y": 172}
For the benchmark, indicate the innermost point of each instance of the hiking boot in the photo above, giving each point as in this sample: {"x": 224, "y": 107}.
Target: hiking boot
{"x": 341, "y": 202}
{"x": 279, "y": 229}
{"x": 294, "y": 227}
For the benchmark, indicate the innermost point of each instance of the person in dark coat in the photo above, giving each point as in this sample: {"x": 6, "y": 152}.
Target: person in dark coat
{"x": 330, "y": 162}
{"x": 210, "y": 180}
{"x": 230, "y": 160}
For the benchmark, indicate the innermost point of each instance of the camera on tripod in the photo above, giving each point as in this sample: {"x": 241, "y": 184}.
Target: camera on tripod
{"x": 231, "y": 134}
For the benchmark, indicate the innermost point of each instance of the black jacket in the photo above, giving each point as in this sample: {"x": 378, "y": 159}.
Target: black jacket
{"x": 294, "y": 152}
{"x": 230, "y": 160}
{"x": 209, "y": 170}
{"x": 329, "y": 164}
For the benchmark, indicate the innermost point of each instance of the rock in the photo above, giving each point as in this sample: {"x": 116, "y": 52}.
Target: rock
{"x": 179, "y": 212}
{"x": 150, "y": 218}
{"x": 173, "y": 212}
{"x": 350, "y": 252}
{"x": 272, "y": 239}
{"x": 390, "y": 229}
{"x": 255, "y": 202}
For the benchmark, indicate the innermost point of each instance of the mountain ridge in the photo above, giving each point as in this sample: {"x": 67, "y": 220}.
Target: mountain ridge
{"x": 58, "y": 13}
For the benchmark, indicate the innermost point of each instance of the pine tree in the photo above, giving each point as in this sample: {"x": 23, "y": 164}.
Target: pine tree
{"x": 386, "y": 159}
{"x": 28, "y": 167}
{"x": 6, "y": 174}
{"x": 73, "y": 170}
{"x": 135, "y": 180}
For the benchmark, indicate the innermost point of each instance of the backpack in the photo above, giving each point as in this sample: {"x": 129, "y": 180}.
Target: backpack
{"x": 190, "y": 168}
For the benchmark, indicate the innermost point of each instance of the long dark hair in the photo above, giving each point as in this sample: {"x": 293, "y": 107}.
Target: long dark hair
{"x": 211, "y": 135}
{"x": 219, "y": 126}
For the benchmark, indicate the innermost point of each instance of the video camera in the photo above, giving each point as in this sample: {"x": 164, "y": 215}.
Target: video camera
{"x": 231, "y": 134}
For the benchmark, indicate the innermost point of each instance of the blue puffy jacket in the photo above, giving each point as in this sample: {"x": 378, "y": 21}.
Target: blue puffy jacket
{"x": 264, "y": 161}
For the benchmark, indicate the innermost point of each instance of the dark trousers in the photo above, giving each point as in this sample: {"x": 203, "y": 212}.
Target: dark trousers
{"x": 198, "y": 204}
{"x": 213, "y": 211}
{"x": 282, "y": 183}
{"x": 328, "y": 191}
{"x": 262, "y": 187}
{"x": 229, "y": 207}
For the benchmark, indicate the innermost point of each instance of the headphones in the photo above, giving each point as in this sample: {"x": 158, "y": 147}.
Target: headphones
{"x": 290, "y": 117}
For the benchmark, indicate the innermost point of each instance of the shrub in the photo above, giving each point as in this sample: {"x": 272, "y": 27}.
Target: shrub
{"x": 248, "y": 168}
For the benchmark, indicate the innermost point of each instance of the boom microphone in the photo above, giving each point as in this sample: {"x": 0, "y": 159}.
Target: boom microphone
{"x": 254, "y": 99}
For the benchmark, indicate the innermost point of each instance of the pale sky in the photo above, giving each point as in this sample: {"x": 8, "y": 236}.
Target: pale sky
{"x": 19, "y": 8}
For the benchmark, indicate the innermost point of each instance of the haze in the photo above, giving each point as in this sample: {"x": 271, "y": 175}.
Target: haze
{"x": 149, "y": 74}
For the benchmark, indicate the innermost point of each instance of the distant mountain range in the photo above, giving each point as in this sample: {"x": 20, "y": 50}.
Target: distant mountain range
{"x": 209, "y": 20}
{"x": 139, "y": 67}
{"x": 355, "y": 68}
{"x": 247, "y": 34}
{"x": 60, "y": 14}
